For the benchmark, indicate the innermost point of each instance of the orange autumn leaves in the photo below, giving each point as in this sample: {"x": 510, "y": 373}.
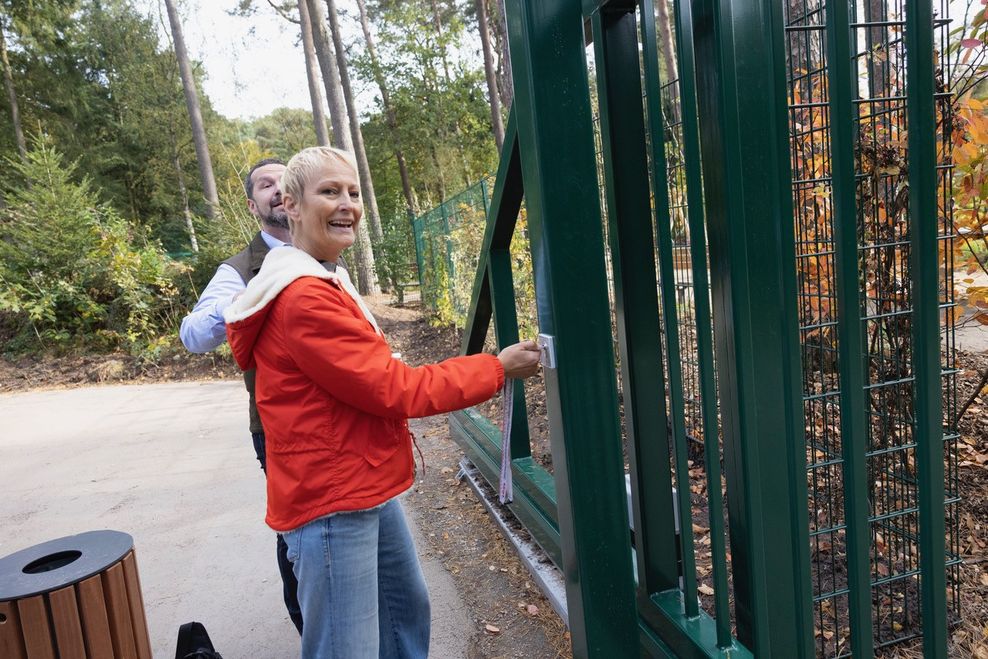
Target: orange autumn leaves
{"x": 970, "y": 156}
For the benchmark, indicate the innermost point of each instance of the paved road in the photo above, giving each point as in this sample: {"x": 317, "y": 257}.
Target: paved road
{"x": 172, "y": 465}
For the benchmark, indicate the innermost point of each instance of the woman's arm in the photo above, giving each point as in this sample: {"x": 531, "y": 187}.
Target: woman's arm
{"x": 341, "y": 353}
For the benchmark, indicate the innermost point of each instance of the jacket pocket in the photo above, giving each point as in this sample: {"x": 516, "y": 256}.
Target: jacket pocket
{"x": 383, "y": 443}
{"x": 306, "y": 438}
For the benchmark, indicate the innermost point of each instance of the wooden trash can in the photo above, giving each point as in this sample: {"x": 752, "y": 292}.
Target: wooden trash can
{"x": 75, "y": 597}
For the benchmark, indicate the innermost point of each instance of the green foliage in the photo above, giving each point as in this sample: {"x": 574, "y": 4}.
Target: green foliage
{"x": 109, "y": 96}
{"x": 96, "y": 75}
{"x": 395, "y": 254}
{"x": 436, "y": 84}
{"x": 73, "y": 270}
{"x": 284, "y": 132}
{"x": 452, "y": 236}
{"x": 234, "y": 226}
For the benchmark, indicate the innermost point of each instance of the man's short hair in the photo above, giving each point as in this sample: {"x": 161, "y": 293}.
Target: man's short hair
{"x": 249, "y": 183}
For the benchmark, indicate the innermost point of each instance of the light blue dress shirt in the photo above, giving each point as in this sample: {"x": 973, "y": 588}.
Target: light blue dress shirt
{"x": 204, "y": 328}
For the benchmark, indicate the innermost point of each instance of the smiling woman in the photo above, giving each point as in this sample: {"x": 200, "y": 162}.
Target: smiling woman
{"x": 334, "y": 402}
{"x": 322, "y": 199}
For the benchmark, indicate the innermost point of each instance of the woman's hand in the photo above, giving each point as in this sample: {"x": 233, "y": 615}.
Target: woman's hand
{"x": 520, "y": 360}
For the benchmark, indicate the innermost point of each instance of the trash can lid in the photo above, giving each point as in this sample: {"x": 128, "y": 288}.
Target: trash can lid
{"x": 58, "y": 563}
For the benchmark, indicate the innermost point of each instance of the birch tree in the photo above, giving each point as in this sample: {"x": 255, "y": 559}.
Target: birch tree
{"x": 363, "y": 254}
{"x": 363, "y": 168}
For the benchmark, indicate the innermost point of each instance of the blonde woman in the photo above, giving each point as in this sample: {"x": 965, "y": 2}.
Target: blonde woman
{"x": 335, "y": 404}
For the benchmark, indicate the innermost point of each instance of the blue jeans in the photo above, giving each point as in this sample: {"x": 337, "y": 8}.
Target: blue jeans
{"x": 360, "y": 586}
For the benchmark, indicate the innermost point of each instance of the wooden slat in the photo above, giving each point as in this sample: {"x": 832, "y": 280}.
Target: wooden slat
{"x": 68, "y": 628}
{"x": 34, "y": 626}
{"x": 96, "y": 627}
{"x": 11, "y": 642}
{"x": 136, "y": 602}
{"x": 118, "y": 612}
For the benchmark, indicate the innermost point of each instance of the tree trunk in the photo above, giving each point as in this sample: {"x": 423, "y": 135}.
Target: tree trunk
{"x": 330, "y": 77}
{"x": 505, "y": 80}
{"x": 312, "y": 75}
{"x": 184, "y": 192}
{"x": 8, "y": 82}
{"x": 195, "y": 114}
{"x": 363, "y": 168}
{"x": 389, "y": 113}
{"x": 877, "y": 45}
{"x": 665, "y": 40}
{"x": 363, "y": 256}
{"x": 441, "y": 47}
{"x": 485, "y": 39}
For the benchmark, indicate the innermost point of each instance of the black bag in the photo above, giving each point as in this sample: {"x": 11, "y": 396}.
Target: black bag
{"x": 194, "y": 643}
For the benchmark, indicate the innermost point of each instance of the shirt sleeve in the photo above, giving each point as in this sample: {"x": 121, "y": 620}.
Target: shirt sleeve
{"x": 204, "y": 328}
{"x": 343, "y": 354}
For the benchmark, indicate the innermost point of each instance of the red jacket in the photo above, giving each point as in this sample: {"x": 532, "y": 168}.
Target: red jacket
{"x": 333, "y": 400}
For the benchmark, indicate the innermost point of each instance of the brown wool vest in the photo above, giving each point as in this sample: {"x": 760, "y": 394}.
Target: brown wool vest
{"x": 248, "y": 263}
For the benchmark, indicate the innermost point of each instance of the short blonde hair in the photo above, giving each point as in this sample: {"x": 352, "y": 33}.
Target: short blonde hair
{"x": 304, "y": 164}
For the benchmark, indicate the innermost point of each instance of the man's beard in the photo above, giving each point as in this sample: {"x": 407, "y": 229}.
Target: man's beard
{"x": 278, "y": 218}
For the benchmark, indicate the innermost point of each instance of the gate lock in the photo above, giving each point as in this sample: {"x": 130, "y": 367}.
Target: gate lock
{"x": 547, "y": 346}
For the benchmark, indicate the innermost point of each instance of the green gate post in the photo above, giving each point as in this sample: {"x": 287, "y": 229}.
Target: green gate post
{"x": 923, "y": 267}
{"x": 629, "y": 218}
{"x": 552, "y": 102}
{"x": 841, "y": 84}
{"x": 683, "y": 17}
{"x": 493, "y": 291}
{"x": 740, "y": 62}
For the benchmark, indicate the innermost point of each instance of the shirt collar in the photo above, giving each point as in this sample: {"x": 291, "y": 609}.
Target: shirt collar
{"x": 271, "y": 241}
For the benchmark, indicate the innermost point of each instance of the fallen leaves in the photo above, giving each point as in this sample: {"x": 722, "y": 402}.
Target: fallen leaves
{"x": 530, "y": 609}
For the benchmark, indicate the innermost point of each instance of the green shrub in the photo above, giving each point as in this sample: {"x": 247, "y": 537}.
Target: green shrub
{"x": 73, "y": 271}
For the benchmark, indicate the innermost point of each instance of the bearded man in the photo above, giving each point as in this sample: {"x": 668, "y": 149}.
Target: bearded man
{"x": 204, "y": 329}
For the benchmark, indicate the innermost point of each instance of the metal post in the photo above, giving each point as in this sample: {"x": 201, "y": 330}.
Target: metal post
{"x": 921, "y": 118}
{"x": 547, "y": 49}
{"x": 622, "y": 130}
{"x": 841, "y": 85}
{"x": 683, "y": 14}
{"x": 741, "y": 93}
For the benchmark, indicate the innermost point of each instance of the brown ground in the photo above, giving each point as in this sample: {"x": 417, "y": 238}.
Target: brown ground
{"x": 494, "y": 584}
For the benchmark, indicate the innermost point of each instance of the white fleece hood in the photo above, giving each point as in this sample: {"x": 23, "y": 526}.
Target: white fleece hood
{"x": 281, "y": 267}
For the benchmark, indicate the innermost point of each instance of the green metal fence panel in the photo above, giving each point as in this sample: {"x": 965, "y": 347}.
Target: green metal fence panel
{"x": 447, "y": 240}
{"x": 823, "y": 283}
{"x": 848, "y": 98}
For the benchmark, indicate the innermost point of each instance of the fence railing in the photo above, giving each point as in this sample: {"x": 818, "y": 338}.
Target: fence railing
{"x": 448, "y": 243}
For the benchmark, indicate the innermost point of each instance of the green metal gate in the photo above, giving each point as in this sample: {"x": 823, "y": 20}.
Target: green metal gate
{"x": 765, "y": 240}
